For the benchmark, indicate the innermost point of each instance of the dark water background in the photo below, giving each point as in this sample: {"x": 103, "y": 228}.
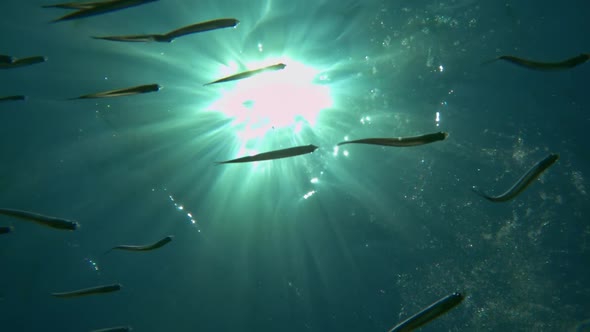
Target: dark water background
{"x": 386, "y": 232}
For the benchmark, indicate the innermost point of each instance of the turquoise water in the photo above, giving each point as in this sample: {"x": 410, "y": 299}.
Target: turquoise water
{"x": 355, "y": 238}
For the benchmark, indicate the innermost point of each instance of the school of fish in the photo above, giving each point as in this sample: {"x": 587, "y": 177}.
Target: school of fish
{"x": 88, "y": 9}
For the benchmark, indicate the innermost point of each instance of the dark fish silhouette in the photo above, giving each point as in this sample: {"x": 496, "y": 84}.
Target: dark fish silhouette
{"x": 89, "y": 291}
{"x": 170, "y": 36}
{"x": 6, "y": 58}
{"x": 429, "y": 313}
{"x": 277, "y": 154}
{"x": 522, "y": 183}
{"x": 12, "y": 98}
{"x": 249, "y": 73}
{"x": 6, "y": 229}
{"x": 122, "y": 92}
{"x": 78, "y": 5}
{"x": 22, "y": 62}
{"x": 147, "y": 247}
{"x": 401, "y": 141}
{"x": 544, "y": 66}
{"x": 53, "y": 222}
{"x": 101, "y": 8}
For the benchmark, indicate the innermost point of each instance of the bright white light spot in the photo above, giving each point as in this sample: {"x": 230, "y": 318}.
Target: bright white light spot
{"x": 336, "y": 148}
{"x": 260, "y": 47}
{"x": 441, "y": 68}
{"x": 279, "y": 102}
{"x": 309, "y": 194}
{"x": 314, "y": 180}
{"x": 437, "y": 119}
{"x": 345, "y": 153}
{"x": 180, "y": 207}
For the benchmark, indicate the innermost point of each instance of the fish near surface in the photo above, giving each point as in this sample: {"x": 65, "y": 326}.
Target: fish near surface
{"x": 544, "y": 66}
{"x": 135, "y": 90}
{"x": 102, "y": 8}
{"x": 170, "y": 36}
{"x": 249, "y": 73}
{"x": 525, "y": 180}
{"x": 401, "y": 141}
{"x": 276, "y": 154}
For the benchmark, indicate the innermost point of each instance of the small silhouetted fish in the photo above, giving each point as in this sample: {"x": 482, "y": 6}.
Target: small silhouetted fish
{"x": 12, "y": 98}
{"x": 170, "y": 36}
{"x": 102, "y": 8}
{"x": 6, "y": 229}
{"x": 6, "y": 58}
{"x": 544, "y": 66}
{"x": 249, "y": 73}
{"x": 122, "y": 92}
{"x": 429, "y": 313}
{"x": 147, "y": 247}
{"x": 89, "y": 291}
{"x": 523, "y": 182}
{"x": 277, "y": 154}
{"x": 78, "y": 5}
{"x": 401, "y": 141}
{"x": 53, "y": 222}
{"x": 114, "y": 329}
{"x": 22, "y": 62}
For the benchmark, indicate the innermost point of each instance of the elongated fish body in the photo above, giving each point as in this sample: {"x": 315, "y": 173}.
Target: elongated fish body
{"x": 544, "y": 66}
{"x": 132, "y": 38}
{"x": 115, "y": 329}
{"x": 401, "y": 141}
{"x": 524, "y": 181}
{"x": 201, "y": 27}
{"x": 429, "y": 313}
{"x": 6, "y": 58}
{"x": 89, "y": 291}
{"x": 277, "y": 154}
{"x": 48, "y": 221}
{"x": 6, "y": 229}
{"x": 170, "y": 36}
{"x": 102, "y": 8}
{"x": 147, "y": 247}
{"x": 249, "y": 73}
{"x": 12, "y": 98}
{"x": 122, "y": 92}
{"x": 23, "y": 62}
{"x": 78, "y": 5}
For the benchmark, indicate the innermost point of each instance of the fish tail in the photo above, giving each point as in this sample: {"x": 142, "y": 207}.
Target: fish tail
{"x": 478, "y": 191}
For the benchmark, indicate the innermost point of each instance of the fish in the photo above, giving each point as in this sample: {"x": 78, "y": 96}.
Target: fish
{"x": 277, "y": 154}
{"x": 170, "y": 36}
{"x": 53, "y": 222}
{"x": 532, "y": 174}
{"x": 23, "y": 62}
{"x": 89, "y": 291}
{"x": 122, "y": 92}
{"x": 401, "y": 141}
{"x": 13, "y": 98}
{"x": 6, "y": 229}
{"x": 429, "y": 313}
{"x": 147, "y": 247}
{"x": 544, "y": 66}
{"x": 248, "y": 73}
{"x": 114, "y": 329}
{"x": 6, "y": 58}
{"x": 78, "y": 5}
{"x": 101, "y": 8}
